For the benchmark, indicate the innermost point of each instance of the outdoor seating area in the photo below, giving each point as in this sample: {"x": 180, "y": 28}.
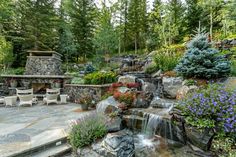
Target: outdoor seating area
{"x": 26, "y": 97}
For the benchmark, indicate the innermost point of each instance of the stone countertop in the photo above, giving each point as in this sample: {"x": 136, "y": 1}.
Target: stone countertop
{"x": 36, "y": 76}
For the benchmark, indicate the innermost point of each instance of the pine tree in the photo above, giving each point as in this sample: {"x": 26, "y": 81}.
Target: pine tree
{"x": 82, "y": 13}
{"x": 194, "y": 16}
{"x": 176, "y": 13}
{"x": 106, "y": 39}
{"x": 39, "y": 24}
{"x": 122, "y": 27}
{"x": 137, "y": 20}
{"x": 202, "y": 61}
{"x": 154, "y": 21}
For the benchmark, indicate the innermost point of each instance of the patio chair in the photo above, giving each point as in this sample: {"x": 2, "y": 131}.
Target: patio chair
{"x": 51, "y": 96}
{"x": 26, "y": 97}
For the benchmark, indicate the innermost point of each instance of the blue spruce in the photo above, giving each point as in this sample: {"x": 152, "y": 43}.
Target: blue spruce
{"x": 202, "y": 61}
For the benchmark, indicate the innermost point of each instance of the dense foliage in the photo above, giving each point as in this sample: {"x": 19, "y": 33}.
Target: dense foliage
{"x": 87, "y": 130}
{"x": 6, "y": 54}
{"x": 213, "y": 107}
{"x": 77, "y": 80}
{"x": 202, "y": 61}
{"x": 120, "y": 26}
{"x": 98, "y": 78}
{"x": 166, "y": 61}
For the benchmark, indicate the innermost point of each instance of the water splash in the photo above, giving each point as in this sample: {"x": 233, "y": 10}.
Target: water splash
{"x": 158, "y": 123}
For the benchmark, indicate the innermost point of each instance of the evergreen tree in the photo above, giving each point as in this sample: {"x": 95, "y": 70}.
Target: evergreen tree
{"x": 137, "y": 20}
{"x": 39, "y": 24}
{"x": 213, "y": 13}
{"x": 154, "y": 21}
{"x": 106, "y": 39}
{"x": 122, "y": 27}
{"x": 194, "y": 16}
{"x": 176, "y": 13}
{"x": 82, "y": 14}
{"x": 202, "y": 61}
{"x": 66, "y": 46}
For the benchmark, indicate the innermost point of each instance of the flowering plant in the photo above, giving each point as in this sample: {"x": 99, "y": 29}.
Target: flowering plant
{"x": 213, "y": 107}
{"x": 133, "y": 85}
{"x": 116, "y": 85}
{"x": 127, "y": 98}
{"x": 86, "y": 100}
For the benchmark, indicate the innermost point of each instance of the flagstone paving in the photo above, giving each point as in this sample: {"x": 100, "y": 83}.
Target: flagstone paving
{"x": 22, "y": 128}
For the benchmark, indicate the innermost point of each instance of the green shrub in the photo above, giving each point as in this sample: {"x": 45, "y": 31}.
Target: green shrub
{"x": 224, "y": 147}
{"x": 190, "y": 82}
{"x": 151, "y": 68}
{"x": 202, "y": 61}
{"x": 16, "y": 71}
{"x": 98, "y": 78}
{"x": 87, "y": 130}
{"x": 166, "y": 61}
{"x": 77, "y": 80}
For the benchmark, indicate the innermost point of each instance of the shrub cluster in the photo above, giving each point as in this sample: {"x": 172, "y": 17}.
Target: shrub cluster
{"x": 214, "y": 107}
{"x": 16, "y": 71}
{"x": 87, "y": 130}
{"x": 77, "y": 80}
{"x": 98, "y": 78}
{"x": 151, "y": 68}
{"x": 166, "y": 61}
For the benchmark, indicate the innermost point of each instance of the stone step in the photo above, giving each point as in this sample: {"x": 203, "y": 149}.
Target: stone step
{"x": 54, "y": 151}
{"x": 44, "y": 147}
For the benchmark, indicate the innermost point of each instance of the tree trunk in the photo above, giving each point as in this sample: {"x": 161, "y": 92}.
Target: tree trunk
{"x": 135, "y": 44}
{"x": 211, "y": 23}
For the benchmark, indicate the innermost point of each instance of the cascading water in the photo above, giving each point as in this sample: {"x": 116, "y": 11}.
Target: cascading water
{"x": 158, "y": 123}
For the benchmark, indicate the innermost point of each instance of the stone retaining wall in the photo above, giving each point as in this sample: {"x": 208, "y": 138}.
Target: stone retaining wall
{"x": 76, "y": 91}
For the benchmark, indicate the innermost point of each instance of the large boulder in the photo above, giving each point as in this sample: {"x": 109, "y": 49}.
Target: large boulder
{"x": 149, "y": 87}
{"x": 104, "y": 104}
{"x": 199, "y": 138}
{"x": 87, "y": 152}
{"x": 127, "y": 79}
{"x": 113, "y": 123}
{"x": 142, "y": 100}
{"x": 171, "y": 86}
{"x": 118, "y": 144}
{"x": 185, "y": 90}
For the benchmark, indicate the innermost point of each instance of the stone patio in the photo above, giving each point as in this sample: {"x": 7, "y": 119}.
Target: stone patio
{"x": 23, "y": 128}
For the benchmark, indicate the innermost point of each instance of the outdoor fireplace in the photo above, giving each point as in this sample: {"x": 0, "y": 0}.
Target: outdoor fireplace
{"x": 42, "y": 70}
{"x": 40, "y": 88}
{"x": 43, "y": 63}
